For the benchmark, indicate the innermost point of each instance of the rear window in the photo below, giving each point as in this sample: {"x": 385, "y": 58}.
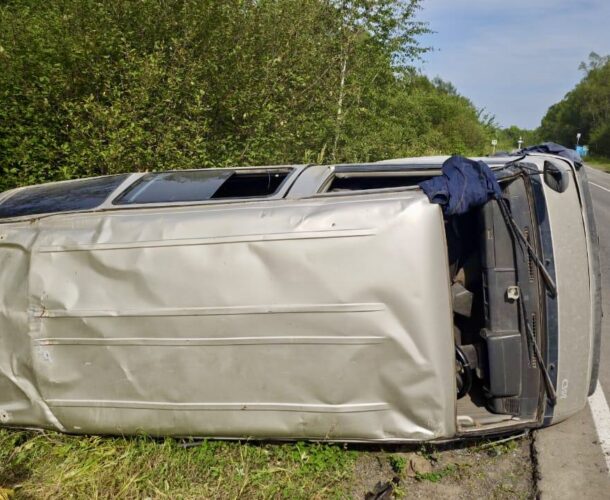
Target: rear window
{"x": 202, "y": 185}
{"x": 70, "y": 196}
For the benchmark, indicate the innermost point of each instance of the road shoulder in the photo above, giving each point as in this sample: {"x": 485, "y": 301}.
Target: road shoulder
{"x": 570, "y": 462}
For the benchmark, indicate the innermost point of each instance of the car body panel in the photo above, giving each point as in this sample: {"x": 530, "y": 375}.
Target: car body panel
{"x": 313, "y": 318}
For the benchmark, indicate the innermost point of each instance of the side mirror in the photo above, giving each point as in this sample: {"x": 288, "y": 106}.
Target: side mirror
{"x": 556, "y": 176}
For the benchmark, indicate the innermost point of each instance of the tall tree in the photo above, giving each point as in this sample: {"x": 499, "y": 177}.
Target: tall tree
{"x": 585, "y": 109}
{"x": 91, "y": 87}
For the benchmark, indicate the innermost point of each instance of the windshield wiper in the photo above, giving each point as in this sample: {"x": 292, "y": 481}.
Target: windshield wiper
{"x": 548, "y": 383}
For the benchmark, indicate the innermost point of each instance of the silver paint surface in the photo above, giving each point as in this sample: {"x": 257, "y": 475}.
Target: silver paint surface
{"x": 323, "y": 318}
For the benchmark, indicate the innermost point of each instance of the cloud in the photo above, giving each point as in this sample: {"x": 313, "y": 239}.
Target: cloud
{"x": 514, "y": 58}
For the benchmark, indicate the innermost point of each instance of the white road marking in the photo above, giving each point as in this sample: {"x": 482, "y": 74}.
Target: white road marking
{"x": 600, "y": 187}
{"x": 601, "y": 418}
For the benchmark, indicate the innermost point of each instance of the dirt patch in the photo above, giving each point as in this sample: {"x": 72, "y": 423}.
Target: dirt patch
{"x": 370, "y": 470}
{"x": 479, "y": 470}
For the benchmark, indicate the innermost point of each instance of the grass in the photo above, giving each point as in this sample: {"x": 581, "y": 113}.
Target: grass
{"x": 599, "y": 163}
{"x": 437, "y": 476}
{"x": 51, "y": 465}
{"x": 398, "y": 463}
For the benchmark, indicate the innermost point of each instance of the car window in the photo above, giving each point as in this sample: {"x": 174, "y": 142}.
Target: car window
{"x": 202, "y": 185}
{"x": 354, "y": 182}
{"x": 82, "y": 194}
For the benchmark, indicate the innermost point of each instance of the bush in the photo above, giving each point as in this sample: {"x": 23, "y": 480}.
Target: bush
{"x": 97, "y": 87}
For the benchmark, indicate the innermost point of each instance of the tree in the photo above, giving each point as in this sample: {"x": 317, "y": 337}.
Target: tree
{"x": 99, "y": 87}
{"x": 585, "y": 110}
{"x": 595, "y": 62}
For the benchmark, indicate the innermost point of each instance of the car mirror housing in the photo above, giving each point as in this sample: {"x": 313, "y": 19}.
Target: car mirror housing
{"x": 556, "y": 176}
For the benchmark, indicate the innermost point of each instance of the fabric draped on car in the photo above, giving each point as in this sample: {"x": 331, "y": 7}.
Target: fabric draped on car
{"x": 463, "y": 185}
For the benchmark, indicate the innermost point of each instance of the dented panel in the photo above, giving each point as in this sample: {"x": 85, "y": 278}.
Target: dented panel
{"x": 291, "y": 319}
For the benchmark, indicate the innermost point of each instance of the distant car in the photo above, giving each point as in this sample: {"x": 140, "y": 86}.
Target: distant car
{"x": 299, "y": 302}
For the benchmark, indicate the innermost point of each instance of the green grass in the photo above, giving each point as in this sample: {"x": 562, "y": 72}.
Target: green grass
{"x": 41, "y": 465}
{"x": 397, "y": 463}
{"x": 52, "y": 465}
{"x": 599, "y": 163}
{"x": 437, "y": 476}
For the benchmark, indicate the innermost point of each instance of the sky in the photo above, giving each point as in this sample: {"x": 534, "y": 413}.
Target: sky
{"x": 515, "y": 58}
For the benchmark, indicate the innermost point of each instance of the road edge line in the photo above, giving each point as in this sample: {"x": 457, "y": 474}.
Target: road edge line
{"x": 598, "y": 186}
{"x": 601, "y": 418}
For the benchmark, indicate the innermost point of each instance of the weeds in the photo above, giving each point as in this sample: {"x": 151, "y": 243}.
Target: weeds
{"x": 398, "y": 463}
{"x": 436, "y": 476}
{"x": 502, "y": 448}
{"x": 55, "y": 465}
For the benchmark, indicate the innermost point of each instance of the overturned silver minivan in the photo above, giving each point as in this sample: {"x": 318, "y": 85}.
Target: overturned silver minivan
{"x": 299, "y": 302}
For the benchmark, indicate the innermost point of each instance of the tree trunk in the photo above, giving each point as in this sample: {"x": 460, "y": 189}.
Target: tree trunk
{"x": 339, "y": 121}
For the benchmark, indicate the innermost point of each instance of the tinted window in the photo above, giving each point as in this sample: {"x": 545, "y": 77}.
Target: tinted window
{"x": 201, "y": 185}
{"x": 248, "y": 185}
{"x": 60, "y": 197}
{"x": 360, "y": 183}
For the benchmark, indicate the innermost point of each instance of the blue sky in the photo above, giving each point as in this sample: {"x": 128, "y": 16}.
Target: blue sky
{"x": 515, "y": 58}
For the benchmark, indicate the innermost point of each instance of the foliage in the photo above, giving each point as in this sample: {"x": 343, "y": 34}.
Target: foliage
{"x": 508, "y": 138}
{"x": 96, "y": 87}
{"x": 398, "y": 463}
{"x": 585, "y": 110}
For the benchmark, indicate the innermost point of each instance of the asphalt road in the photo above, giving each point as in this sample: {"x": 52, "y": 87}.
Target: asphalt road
{"x": 571, "y": 456}
{"x": 599, "y": 183}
